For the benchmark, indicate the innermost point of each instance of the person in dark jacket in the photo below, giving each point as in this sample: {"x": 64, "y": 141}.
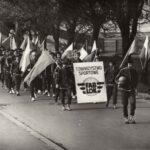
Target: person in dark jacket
{"x": 56, "y": 79}
{"x": 64, "y": 82}
{"x": 7, "y": 68}
{"x": 16, "y": 73}
{"x": 110, "y": 75}
{"x": 2, "y": 62}
{"x": 127, "y": 82}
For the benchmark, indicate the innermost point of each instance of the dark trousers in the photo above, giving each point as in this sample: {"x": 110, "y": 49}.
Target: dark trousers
{"x": 39, "y": 83}
{"x": 112, "y": 91}
{"x": 64, "y": 93}
{"x": 57, "y": 92}
{"x": 126, "y": 98}
{"x": 73, "y": 88}
{"x": 17, "y": 81}
{"x": 2, "y": 79}
{"x": 8, "y": 81}
{"x": 33, "y": 88}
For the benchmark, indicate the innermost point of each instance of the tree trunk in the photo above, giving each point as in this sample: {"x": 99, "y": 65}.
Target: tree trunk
{"x": 56, "y": 35}
{"x": 96, "y": 29}
{"x": 71, "y": 31}
{"x": 19, "y": 34}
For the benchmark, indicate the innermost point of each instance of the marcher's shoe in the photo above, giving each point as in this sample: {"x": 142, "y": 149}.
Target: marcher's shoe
{"x": 39, "y": 92}
{"x": 32, "y": 99}
{"x": 115, "y": 107}
{"x": 13, "y": 92}
{"x": 10, "y": 92}
{"x": 17, "y": 93}
{"x": 73, "y": 97}
{"x": 68, "y": 108}
{"x": 63, "y": 108}
{"x": 126, "y": 120}
{"x": 48, "y": 94}
{"x": 132, "y": 120}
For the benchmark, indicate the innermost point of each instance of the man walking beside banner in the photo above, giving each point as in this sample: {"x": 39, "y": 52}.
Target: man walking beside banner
{"x": 127, "y": 82}
{"x": 110, "y": 75}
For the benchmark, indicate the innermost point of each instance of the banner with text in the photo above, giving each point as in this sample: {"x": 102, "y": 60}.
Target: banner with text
{"x": 90, "y": 82}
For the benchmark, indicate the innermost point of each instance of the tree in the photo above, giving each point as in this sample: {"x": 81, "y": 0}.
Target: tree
{"x": 126, "y": 14}
{"x": 97, "y": 14}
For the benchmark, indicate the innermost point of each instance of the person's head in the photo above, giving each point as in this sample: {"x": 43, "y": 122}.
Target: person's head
{"x": 58, "y": 56}
{"x": 33, "y": 55}
{"x": 96, "y": 59}
{"x": 110, "y": 64}
{"x": 130, "y": 62}
{"x": 78, "y": 55}
{"x": 2, "y": 48}
{"x": 64, "y": 63}
{"x": 15, "y": 52}
{"x": 7, "y": 53}
{"x": 17, "y": 58}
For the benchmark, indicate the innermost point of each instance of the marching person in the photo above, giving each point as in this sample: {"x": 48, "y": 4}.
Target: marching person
{"x": 33, "y": 85}
{"x": 2, "y": 63}
{"x": 127, "y": 82}
{"x": 56, "y": 79}
{"x": 64, "y": 82}
{"x": 110, "y": 75}
{"x": 73, "y": 86}
{"x": 16, "y": 73}
{"x": 7, "y": 67}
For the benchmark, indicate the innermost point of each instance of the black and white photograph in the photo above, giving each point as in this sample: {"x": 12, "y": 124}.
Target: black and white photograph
{"x": 74, "y": 74}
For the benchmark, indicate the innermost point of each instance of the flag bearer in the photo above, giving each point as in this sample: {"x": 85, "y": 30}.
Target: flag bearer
{"x": 127, "y": 82}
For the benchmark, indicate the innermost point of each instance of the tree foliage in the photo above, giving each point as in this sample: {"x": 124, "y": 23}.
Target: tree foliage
{"x": 47, "y": 16}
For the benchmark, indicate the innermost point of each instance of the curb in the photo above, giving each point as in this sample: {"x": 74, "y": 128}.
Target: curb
{"x": 50, "y": 143}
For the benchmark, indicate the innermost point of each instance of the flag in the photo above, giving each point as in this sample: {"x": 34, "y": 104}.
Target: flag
{"x": 24, "y": 43}
{"x": 90, "y": 57}
{"x": 6, "y": 43}
{"x": 9, "y": 43}
{"x": 83, "y": 53}
{"x": 145, "y": 53}
{"x": 44, "y": 60}
{"x": 13, "y": 44}
{"x": 0, "y": 39}
{"x": 67, "y": 51}
{"x": 131, "y": 51}
{"x": 25, "y": 60}
{"x": 94, "y": 46}
{"x": 36, "y": 40}
{"x": 43, "y": 45}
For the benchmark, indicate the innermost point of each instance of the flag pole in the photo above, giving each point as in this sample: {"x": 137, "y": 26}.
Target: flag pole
{"x": 124, "y": 59}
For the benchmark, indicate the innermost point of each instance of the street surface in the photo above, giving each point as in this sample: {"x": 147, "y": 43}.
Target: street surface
{"x": 13, "y": 137}
{"x": 86, "y": 127}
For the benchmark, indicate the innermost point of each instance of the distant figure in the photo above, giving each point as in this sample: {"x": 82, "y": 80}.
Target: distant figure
{"x": 110, "y": 75}
{"x": 33, "y": 85}
{"x": 127, "y": 80}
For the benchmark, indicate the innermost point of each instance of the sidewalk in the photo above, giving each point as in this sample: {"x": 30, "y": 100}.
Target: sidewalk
{"x": 86, "y": 127}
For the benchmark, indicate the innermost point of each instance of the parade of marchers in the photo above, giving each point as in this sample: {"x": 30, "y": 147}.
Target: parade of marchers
{"x": 35, "y": 68}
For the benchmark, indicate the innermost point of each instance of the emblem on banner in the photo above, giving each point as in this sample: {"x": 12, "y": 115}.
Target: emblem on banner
{"x": 91, "y": 86}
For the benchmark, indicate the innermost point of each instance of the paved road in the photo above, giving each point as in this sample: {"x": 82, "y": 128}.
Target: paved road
{"x": 13, "y": 137}
{"x": 86, "y": 127}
